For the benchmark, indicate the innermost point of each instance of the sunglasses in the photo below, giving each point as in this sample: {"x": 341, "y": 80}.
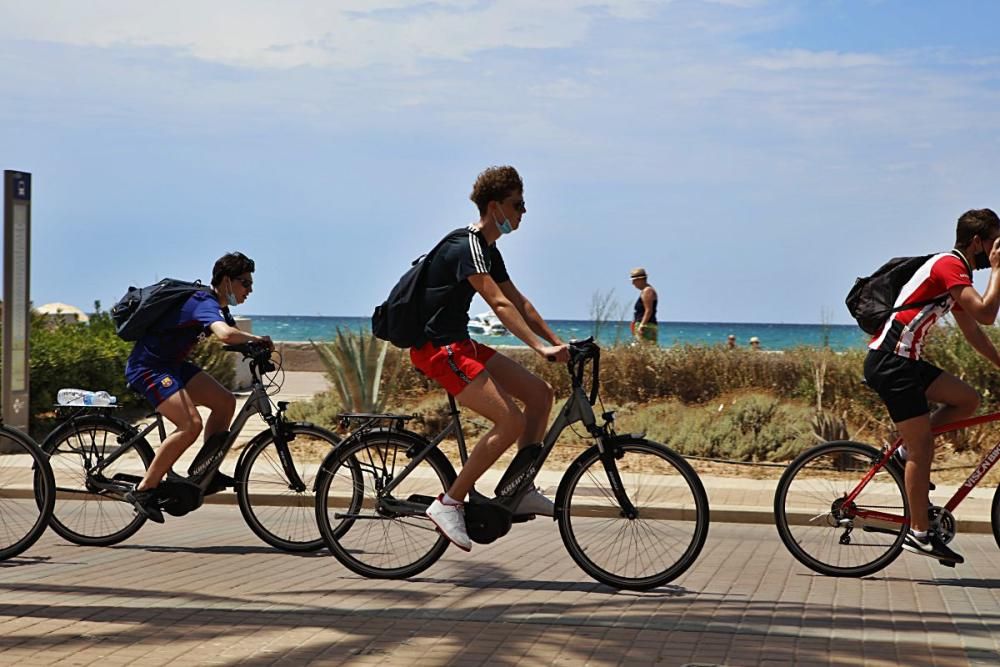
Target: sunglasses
{"x": 246, "y": 282}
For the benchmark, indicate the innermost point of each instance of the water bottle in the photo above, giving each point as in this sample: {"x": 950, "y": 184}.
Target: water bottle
{"x": 84, "y": 397}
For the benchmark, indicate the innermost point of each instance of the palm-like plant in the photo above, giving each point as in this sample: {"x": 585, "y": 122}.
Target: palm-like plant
{"x": 354, "y": 361}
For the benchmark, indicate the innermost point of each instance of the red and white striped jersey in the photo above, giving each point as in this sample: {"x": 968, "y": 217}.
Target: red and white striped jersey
{"x": 905, "y": 330}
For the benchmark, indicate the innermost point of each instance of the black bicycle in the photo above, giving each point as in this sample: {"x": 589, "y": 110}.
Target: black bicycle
{"x": 27, "y": 492}
{"x": 97, "y": 458}
{"x": 631, "y": 512}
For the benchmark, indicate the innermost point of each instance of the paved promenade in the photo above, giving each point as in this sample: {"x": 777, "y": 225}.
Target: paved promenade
{"x": 202, "y": 590}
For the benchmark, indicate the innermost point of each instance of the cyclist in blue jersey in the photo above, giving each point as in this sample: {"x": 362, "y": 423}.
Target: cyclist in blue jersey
{"x": 158, "y": 369}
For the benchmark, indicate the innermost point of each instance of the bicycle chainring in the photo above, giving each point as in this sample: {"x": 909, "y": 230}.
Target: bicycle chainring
{"x": 943, "y": 522}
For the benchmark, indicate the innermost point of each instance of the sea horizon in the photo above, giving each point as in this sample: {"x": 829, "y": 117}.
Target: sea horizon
{"x": 772, "y": 335}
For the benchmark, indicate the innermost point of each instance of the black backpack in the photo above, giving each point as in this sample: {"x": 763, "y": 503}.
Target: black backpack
{"x": 872, "y": 300}
{"x": 141, "y": 308}
{"x": 399, "y": 319}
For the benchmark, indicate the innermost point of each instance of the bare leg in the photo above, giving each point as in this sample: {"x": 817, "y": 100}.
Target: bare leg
{"x": 180, "y": 410}
{"x": 916, "y": 434}
{"x": 205, "y": 390}
{"x": 959, "y": 401}
{"x": 536, "y": 395}
{"x": 485, "y": 397}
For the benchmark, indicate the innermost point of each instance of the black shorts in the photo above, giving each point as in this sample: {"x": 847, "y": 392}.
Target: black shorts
{"x": 900, "y": 382}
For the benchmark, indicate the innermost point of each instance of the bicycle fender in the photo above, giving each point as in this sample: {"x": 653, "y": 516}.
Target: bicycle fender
{"x": 608, "y": 441}
{"x": 263, "y": 435}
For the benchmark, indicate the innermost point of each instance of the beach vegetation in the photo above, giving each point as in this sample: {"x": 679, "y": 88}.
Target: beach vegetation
{"x": 354, "y": 362}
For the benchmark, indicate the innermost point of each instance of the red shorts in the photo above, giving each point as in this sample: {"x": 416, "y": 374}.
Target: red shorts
{"x": 453, "y": 366}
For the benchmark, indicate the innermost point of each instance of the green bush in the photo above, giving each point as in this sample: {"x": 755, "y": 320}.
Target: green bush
{"x": 754, "y": 427}
{"x": 91, "y": 356}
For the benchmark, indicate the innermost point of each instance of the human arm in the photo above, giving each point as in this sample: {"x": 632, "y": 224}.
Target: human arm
{"x": 531, "y": 316}
{"x": 231, "y": 335}
{"x": 977, "y": 338}
{"x": 513, "y": 319}
{"x": 981, "y": 308}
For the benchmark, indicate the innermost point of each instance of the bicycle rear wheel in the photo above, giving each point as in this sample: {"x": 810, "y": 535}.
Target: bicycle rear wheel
{"x": 280, "y": 515}
{"x": 26, "y": 492}
{"x": 389, "y": 537}
{"x": 658, "y": 543}
{"x": 824, "y": 532}
{"x": 76, "y": 449}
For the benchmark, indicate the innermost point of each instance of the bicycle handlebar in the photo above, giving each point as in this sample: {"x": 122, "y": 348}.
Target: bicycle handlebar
{"x": 259, "y": 355}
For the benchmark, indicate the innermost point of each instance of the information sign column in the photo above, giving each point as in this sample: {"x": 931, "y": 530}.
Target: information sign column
{"x": 16, "y": 300}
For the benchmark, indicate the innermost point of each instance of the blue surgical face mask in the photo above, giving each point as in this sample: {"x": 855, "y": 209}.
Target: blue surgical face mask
{"x": 230, "y": 297}
{"x": 504, "y": 227}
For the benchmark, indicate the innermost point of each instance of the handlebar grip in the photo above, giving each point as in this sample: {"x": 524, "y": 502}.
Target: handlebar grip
{"x": 550, "y": 357}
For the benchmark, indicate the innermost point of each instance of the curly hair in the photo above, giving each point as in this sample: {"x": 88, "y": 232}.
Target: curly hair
{"x": 981, "y": 222}
{"x": 231, "y": 264}
{"x": 495, "y": 184}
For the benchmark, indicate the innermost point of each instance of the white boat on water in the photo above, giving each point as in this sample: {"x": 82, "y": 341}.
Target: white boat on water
{"x": 486, "y": 324}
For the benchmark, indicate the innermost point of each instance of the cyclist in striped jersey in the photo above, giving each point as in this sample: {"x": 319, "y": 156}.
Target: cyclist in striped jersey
{"x": 480, "y": 378}
{"x": 908, "y": 384}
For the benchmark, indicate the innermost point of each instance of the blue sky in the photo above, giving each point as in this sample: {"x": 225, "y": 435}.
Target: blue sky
{"x": 754, "y": 156}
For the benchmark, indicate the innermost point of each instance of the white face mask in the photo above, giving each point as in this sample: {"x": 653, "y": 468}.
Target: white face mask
{"x": 504, "y": 227}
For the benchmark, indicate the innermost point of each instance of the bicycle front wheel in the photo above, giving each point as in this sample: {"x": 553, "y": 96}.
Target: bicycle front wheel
{"x": 277, "y": 513}
{"x": 26, "y": 492}
{"x": 663, "y": 536}
{"x": 388, "y": 537}
{"x": 824, "y": 531}
{"x": 77, "y": 450}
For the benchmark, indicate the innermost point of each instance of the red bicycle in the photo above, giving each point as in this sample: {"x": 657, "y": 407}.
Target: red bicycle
{"x": 840, "y": 526}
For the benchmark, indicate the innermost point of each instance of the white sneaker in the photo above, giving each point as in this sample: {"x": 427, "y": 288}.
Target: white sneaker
{"x": 535, "y": 503}
{"x": 450, "y": 522}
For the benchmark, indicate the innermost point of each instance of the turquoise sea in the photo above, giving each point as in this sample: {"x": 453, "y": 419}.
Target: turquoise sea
{"x": 772, "y": 336}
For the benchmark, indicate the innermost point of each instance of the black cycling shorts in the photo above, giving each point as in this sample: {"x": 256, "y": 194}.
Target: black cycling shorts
{"x": 900, "y": 382}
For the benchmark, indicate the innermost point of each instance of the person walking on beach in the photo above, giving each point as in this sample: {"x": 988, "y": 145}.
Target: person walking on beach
{"x": 730, "y": 342}
{"x": 907, "y": 384}
{"x": 644, "y": 326}
{"x": 157, "y": 368}
{"x": 487, "y": 382}
{"x": 754, "y": 343}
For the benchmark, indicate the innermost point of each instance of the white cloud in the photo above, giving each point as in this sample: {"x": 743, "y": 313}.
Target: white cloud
{"x": 803, "y": 59}
{"x": 316, "y": 33}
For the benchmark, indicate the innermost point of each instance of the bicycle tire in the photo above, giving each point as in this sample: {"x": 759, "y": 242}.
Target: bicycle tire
{"x": 286, "y": 522}
{"x": 590, "y": 515}
{"x": 995, "y": 516}
{"x": 364, "y": 548}
{"x": 93, "y": 520}
{"x": 27, "y": 492}
{"x": 806, "y": 516}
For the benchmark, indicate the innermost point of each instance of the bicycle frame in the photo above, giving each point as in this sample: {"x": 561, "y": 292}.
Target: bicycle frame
{"x": 258, "y": 402}
{"x": 978, "y": 473}
{"x": 577, "y": 408}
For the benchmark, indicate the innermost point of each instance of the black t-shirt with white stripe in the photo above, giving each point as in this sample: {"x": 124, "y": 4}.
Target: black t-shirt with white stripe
{"x": 447, "y": 291}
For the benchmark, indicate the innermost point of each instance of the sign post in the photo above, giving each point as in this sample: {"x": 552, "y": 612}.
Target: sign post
{"x": 16, "y": 299}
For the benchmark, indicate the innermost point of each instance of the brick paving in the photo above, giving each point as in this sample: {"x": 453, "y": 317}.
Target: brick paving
{"x": 202, "y": 590}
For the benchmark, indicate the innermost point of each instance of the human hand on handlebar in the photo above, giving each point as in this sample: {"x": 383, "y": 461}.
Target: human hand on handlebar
{"x": 555, "y": 352}
{"x": 265, "y": 341}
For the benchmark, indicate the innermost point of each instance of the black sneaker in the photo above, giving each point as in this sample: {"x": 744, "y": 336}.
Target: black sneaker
{"x": 899, "y": 462}
{"x": 145, "y": 503}
{"x": 220, "y": 482}
{"x": 931, "y": 546}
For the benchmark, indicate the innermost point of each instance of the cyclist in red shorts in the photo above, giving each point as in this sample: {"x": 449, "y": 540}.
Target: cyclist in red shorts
{"x": 480, "y": 378}
{"x": 906, "y": 383}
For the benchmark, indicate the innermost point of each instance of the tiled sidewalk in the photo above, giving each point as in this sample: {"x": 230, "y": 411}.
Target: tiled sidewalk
{"x": 202, "y": 590}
